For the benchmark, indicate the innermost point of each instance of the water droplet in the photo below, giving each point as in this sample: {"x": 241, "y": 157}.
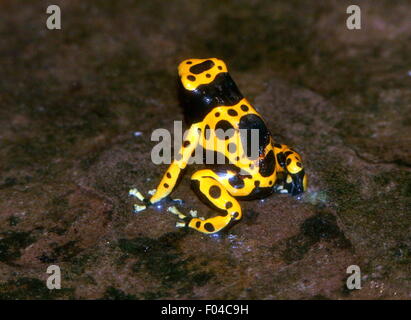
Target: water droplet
{"x": 137, "y": 133}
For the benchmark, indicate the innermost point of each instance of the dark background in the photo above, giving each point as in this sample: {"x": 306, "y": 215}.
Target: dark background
{"x": 71, "y": 99}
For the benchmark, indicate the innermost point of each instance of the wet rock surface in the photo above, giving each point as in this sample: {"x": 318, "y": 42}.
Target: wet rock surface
{"x": 72, "y": 99}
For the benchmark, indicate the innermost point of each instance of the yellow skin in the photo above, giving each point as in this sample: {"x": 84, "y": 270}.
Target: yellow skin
{"x": 276, "y": 168}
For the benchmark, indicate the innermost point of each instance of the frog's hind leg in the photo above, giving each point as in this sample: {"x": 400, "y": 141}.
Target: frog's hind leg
{"x": 290, "y": 171}
{"x": 214, "y": 193}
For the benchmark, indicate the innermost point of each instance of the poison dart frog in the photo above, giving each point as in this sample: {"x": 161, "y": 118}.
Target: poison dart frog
{"x": 212, "y": 101}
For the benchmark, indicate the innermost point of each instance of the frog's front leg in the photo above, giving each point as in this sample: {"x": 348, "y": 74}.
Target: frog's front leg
{"x": 170, "y": 177}
{"x": 290, "y": 171}
{"x": 215, "y": 193}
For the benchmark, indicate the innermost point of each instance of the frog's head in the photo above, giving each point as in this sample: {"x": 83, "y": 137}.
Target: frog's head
{"x": 196, "y": 72}
{"x": 205, "y": 84}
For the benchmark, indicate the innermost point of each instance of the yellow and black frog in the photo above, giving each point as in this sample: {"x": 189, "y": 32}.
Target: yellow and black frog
{"x": 222, "y": 121}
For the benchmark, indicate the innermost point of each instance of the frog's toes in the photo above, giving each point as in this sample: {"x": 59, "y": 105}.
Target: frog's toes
{"x": 184, "y": 219}
{"x": 138, "y": 208}
{"x": 280, "y": 189}
{"x": 135, "y": 193}
{"x": 177, "y": 212}
{"x": 181, "y": 224}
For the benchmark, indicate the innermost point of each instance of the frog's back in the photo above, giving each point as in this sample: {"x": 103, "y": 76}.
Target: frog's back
{"x": 210, "y": 97}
